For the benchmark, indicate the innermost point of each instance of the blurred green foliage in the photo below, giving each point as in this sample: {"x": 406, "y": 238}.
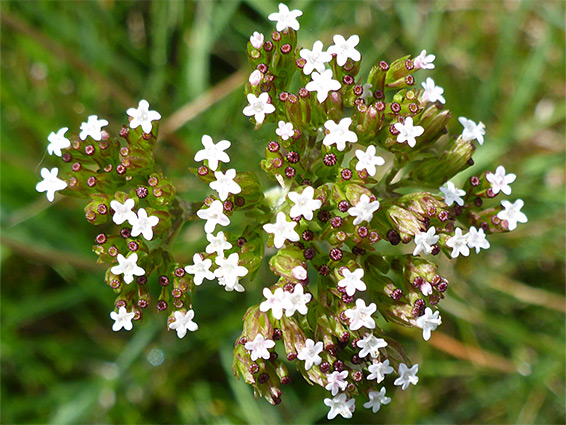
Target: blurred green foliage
{"x": 500, "y": 358}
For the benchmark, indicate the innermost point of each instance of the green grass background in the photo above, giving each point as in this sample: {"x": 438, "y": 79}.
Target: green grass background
{"x": 500, "y": 355}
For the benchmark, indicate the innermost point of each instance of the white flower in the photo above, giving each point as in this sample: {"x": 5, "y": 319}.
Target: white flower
{"x": 258, "y": 107}
{"x": 407, "y": 376}
{"x": 425, "y": 240}
{"x": 257, "y": 40}
{"x": 282, "y": 230}
{"x": 344, "y": 49}
{"x": 143, "y": 225}
{"x": 123, "y": 212}
{"x": 339, "y": 133}
{"x": 183, "y": 323}
{"x": 200, "y": 269}
{"x": 217, "y": 243}
{"x": 213, "y": 215}
{"x": 58, "y": 141}
{"x": 408, "y": 132}
{"x": 225, "y": 184}
{"x": 432, "y": 92}
{"x": 424, "y": 61}
{"x": 255, "y": 77}
{"x": 352, "y": 281}
{"x": 274, "y": 302}
{"x": 128, "y": 267}
{"x": 213, "y": 153}
{"x": 477, "y": 239}
{"x": 452, "y": 194}
{"x": 286, "y": 18}
{"x": 336, "y": 382}
{"x": 315, "y": 58}
{"x": 310, "y": 353}
{"x": 296, "y": 301}
{"x": 229, "y": 270}
{"x": 122, "y": 319}
{"x": 378, "y": 371}
{"x": 51, "y": 183}
{"x": 259, "y": 347}
{"x": 512, "y": 213}
{"x": 376, "y": 399}
{"x": 360, "y": 316}
{"x": 426, "y": 288}
{"x": 285, "y": 130}
{"x": 299, "y": 273}
{"x": 304, "y": 203}
{"x": 368, "y": 160}
{"x": 143, "y": 116}
{"x": 369, "y": 344}
{"x": 92, "y": 128}
{"x": 458, "y": 243}
{"x": 472, "y": 130}
{"x": 366, "y": 91}
{"x": 500, "y": 181}
{"x": 428, "y": 322}
{"x": 364, "y": 209}
{"x": 322, "y": 83}
{"x": 339, "y": 405}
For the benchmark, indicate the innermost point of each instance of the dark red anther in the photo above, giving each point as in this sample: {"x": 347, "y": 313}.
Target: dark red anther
{"x": 91, "y": 182}
{"x": 290, "y": 172}
{"x": 336, "y": 254}
{"x": 393, "y": 237}
{"x": 293, "y": 157}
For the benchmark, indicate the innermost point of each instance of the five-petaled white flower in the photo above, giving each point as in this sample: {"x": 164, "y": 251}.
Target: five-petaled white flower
{"x": 259, "y": 347}
{"x": 360, "y": 315}
{"x": 256, "y": 40}
{"x": 92, "y": 128}
{"x": 500, "y": 181}
{"x": 339, "y": 133}
{"x": 58, "y": 141}
{"x": 143, "y": 116}
{"x": 231, "y": 272}
{"x": 322, "y": 83}
{"x": 408, "y": 132}
{"x": 376, "y": 399}
{"x": 477, "y": 239}
{"x": 285, "y": 130}
{"x": 378, "y": 370}
{"x": 122, "y": 319}
{"x": 213, "y": 153}
{"x": 255, "y": 77}
{"x": 452, "y": 194}
{"x": 512, "y": 213}
{"x": 370, "y": 344}
{"x": 258, "y": 107}
{"x": 286, "y": 18}
{"x": 340, "y": 405}
{"x": 213, "y": 215}
{"x": 368, "y": 160}
{"x": 345, "y": 49}
{"x": 225, "y": 184}
{"x": 315, "y": 58}
{"x": 143, "y": 225}
{"x": 432, "y": 92}
{"x": 424, "y": 61}
{"x": 123, "y": 212}
{"x": 217, "y": 243}
{"x": 352, "y": 281}
{"x": 183, "y": 323}
{"x": 128, "y": 267}
{"x": 366, "y": 91}
{"x": 407, "y": 376}
{"x": 336, "y": 382}
{"x": 428, "y": 322}
{"x": 304, "y": 203}
{"x": 274, "y": 302}
{"x": 458, "y": 243}
{"x": 51, "y": 183}
{"x": 200, "y": 269}
{"x": 282, "y": 230}
{"x": 364, "y": 209}
{"x": 310, "y": 353}
{"x": 296, "y": 301}
{"x": 472, "y": 130}
{"x": 425, "y": 240}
